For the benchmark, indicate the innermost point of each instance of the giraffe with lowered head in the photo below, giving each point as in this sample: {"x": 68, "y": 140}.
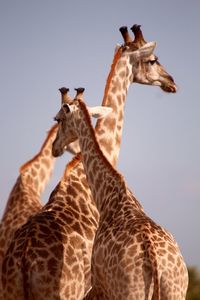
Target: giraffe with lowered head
{"x": 71, "y": 210}
{"x": 133, "y": 257}
{"x": 25, "y": 197}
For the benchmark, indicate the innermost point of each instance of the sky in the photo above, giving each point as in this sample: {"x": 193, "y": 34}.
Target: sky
{"x": 49, "y": 44}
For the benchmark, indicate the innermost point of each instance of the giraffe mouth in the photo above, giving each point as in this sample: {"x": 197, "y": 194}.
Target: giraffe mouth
{"x": 169, "y": 88}
{"x": 57, "y": 152}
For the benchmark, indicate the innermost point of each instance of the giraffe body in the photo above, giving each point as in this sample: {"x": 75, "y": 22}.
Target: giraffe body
{"x": 24, "y": 199}
{"x": 72, "y": 206}
{"x": 39, "y": 247}
{"x": 133, "y": 257}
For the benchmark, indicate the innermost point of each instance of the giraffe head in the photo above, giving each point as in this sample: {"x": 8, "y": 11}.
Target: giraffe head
{"x": 69, "y": 116}
{"x": 146, "y": 68}
{"x": 73, "y": 147}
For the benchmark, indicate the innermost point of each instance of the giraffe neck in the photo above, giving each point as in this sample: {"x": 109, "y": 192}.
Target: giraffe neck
{"x": 109, "y": 129}
{"x": 36, "y": 172}
{"x": 98, "y": 170}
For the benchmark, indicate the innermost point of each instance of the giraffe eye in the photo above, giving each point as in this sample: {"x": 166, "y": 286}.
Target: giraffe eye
{"x": 66, "y": 108}
{"x": 153, "y": 61}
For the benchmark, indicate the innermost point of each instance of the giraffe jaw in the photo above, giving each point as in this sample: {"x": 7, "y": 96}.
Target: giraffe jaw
{"x": 57, "y": 152}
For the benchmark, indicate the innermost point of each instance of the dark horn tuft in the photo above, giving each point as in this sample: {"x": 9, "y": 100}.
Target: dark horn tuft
{"x": 79, "y": 90}
{"x": 135, "y": 28}
{"x": 79, "y": 93}
{"x": 64, "y": 90}
{"x": 123, "y": 29}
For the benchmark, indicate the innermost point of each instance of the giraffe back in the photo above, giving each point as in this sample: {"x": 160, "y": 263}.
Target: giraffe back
{"x": 52, "y": 252}
{"x": 24, "y": 199}
{"x": 133, "y": 257}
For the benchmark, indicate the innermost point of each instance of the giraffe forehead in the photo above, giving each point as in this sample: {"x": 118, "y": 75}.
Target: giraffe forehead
{"x": 73, "y": 110}
{"x": 150, "y": 57}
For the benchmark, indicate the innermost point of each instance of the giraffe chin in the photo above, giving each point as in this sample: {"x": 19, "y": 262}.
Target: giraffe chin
{"x": 58, "y": 152}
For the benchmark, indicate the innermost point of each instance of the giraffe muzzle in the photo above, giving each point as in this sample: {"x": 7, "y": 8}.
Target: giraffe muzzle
{"x": 169, "y": 88}
{"x": 57, "y": 152}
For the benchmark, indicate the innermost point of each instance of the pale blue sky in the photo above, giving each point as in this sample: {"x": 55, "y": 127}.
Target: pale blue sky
{"x": 47, "y": 44}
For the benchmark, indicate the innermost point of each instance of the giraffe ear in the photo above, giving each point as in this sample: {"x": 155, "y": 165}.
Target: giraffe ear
{"x": 99, "y": 111}
{"x": 145, "y": 50}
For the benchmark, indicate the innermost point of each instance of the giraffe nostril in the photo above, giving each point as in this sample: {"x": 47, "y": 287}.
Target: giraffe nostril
{"x": 171, "y": 88}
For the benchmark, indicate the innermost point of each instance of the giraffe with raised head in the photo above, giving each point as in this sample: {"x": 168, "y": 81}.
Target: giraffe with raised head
{"x": 133, "y": 257}
{"x": 62, "y": 261}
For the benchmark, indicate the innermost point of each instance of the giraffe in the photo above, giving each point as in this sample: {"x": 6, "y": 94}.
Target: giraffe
{"x": 25, "y": 197}
{"x": 71, "y": 207}
{"x": 133, "y": 257}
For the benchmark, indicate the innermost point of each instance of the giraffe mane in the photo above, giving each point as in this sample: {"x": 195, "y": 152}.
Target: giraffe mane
{"x": 108, "y": 81}
{"x": 98, "y": 149}
{"x": 75, "y": 160}
{"x": 49, "y": 134}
